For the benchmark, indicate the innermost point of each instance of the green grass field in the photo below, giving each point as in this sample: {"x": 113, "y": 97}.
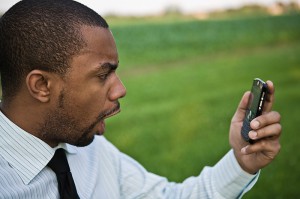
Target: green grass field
{"x": 184, "y": 80}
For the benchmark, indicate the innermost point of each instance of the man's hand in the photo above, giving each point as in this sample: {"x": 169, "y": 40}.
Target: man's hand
{"x": 266, "y": 132}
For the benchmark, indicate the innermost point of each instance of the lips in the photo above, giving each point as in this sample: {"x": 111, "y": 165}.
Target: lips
{"x": 112, "y": 112}
{"x": 107, "y": 114}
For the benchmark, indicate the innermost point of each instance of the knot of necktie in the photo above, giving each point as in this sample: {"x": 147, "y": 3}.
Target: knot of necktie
{"x": 66, "y": 186}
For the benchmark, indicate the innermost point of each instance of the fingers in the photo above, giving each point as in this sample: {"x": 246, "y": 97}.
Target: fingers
{"x": 266, "y": 119}
{"x": 242, "y": 107}
{"x": 271, "y": 131}
{"x": 269, "y": 147}
{"x": 266, "y": 132}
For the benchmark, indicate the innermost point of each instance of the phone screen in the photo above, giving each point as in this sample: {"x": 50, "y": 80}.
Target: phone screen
{"x": 256, "y": 99}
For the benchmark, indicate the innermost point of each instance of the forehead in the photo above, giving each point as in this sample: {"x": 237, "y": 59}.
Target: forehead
{"x": 99, "y": 48}
{"x": 98, "y": 40}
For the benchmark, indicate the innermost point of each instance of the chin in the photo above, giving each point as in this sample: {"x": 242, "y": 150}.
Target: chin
{"x": 84, "y": 142}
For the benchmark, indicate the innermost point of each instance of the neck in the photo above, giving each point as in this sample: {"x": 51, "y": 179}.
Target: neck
{"x": 26, "y": 114}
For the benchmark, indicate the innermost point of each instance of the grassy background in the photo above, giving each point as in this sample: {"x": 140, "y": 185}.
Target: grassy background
{"x": 184, "y": 80}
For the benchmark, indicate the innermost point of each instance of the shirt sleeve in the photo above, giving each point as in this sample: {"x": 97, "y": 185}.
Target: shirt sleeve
{"x": 224, "y": 180}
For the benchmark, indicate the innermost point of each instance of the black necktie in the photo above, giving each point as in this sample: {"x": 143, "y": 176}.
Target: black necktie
{"x": 66, "y": 186}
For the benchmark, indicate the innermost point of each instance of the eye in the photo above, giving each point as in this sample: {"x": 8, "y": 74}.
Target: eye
{"x": 103, "y": 76}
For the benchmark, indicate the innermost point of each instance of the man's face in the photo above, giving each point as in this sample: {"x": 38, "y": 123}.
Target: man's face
{"x": 88, "y": 94}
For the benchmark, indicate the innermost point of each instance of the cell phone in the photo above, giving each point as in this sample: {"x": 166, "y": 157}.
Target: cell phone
{"x": 257, "y": 98}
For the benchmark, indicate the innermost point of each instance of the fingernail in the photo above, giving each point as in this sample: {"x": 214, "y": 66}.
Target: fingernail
{"x": 255, "y": 124}
{"x": 252, "y": 134}
{"x": 243, "y": 150}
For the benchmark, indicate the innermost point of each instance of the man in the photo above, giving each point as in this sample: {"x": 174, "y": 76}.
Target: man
{"x": 58, "y": 64}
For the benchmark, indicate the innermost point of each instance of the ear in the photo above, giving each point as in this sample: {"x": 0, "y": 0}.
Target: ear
{"x": 39, "y": 84}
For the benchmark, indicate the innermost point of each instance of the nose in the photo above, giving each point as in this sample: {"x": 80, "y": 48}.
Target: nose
{"x": 117, "y": 90}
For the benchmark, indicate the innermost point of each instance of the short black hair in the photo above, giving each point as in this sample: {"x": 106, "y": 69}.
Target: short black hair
{"x": 41, "y": 34}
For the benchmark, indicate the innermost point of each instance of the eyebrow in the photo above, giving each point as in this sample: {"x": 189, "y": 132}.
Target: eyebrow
{"x": 107, "y": 66}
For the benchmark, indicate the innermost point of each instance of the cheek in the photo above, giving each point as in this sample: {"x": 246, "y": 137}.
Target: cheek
{"x": 88, "y": 102}
{"x": 88, "y": 96}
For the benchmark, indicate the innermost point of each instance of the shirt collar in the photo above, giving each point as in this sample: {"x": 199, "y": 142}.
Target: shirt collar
{"x": 27, "y": 154}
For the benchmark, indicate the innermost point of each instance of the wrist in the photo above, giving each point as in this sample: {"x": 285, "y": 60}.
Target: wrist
{"x": 244, "y": 164}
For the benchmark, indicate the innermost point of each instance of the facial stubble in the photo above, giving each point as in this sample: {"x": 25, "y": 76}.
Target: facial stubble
{"x": 60, "y": 126}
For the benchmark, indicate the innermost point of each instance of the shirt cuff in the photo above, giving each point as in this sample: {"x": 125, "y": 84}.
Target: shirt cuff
{"x": 230, "y": 179}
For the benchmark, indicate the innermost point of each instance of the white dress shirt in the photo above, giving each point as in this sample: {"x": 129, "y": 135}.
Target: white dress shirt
{"x": 101, "y": 171}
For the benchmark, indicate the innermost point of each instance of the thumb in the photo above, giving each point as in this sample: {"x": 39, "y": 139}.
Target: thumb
{"x": 242, "y": 107}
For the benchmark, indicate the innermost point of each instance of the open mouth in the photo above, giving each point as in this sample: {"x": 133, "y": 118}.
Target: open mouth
{"x": 112, "y": 112}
